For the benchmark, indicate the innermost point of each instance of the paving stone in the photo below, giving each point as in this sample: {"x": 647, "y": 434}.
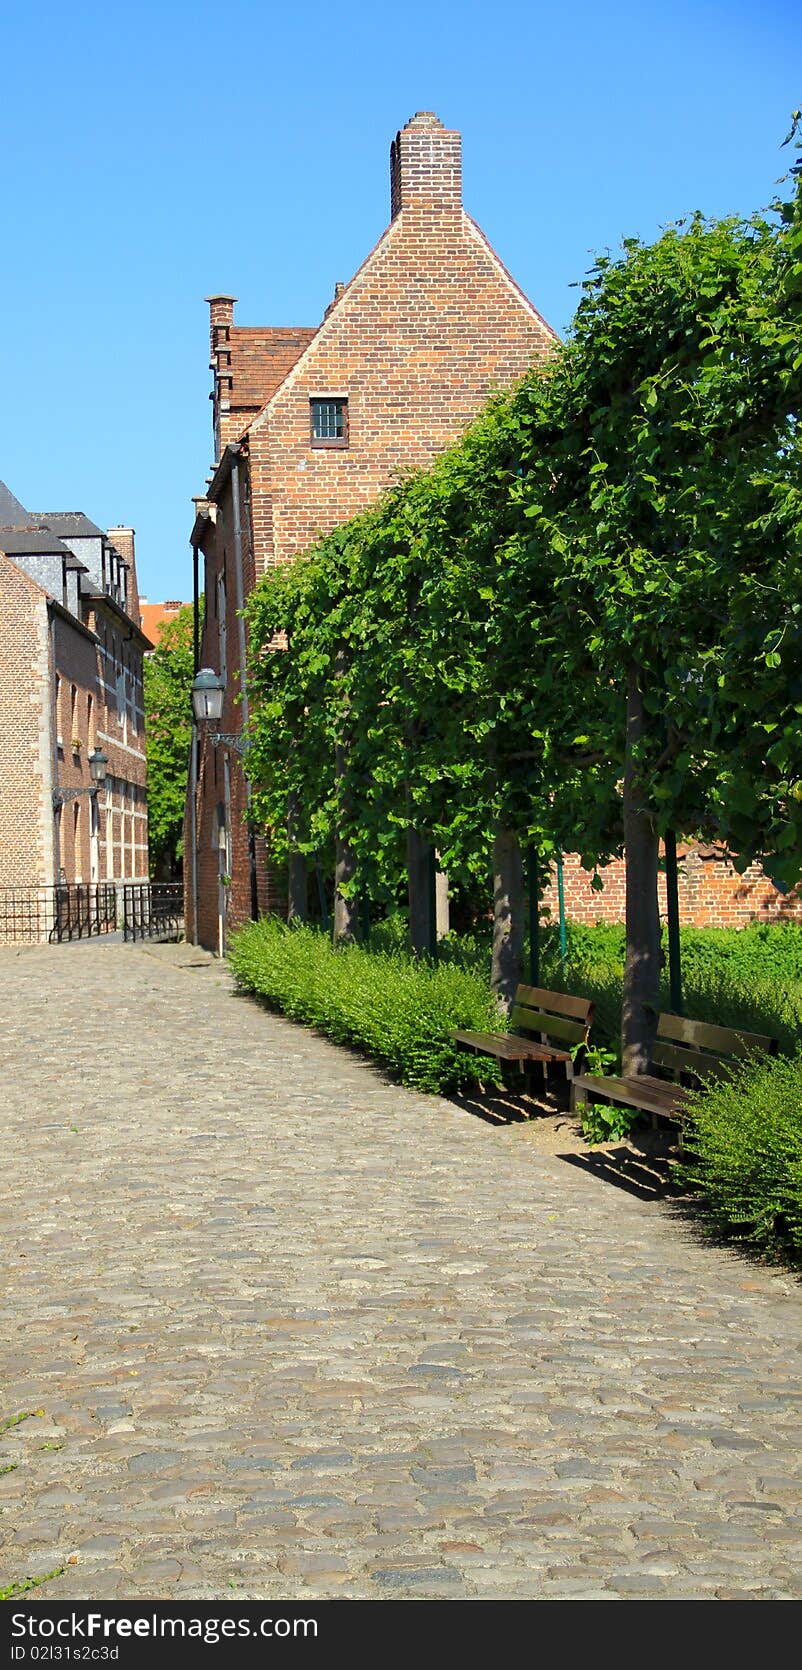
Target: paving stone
{"x": 299, "y": 1330}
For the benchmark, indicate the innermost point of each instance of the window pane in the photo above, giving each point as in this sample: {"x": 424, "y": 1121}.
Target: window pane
{"x": 328, "y": 420}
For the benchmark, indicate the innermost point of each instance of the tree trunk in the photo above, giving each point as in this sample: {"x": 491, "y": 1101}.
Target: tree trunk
{"x": 297, "y": 905}
{"x": 422, "y": 935}
{"x": 346, "y": 910}
{"x": 297, "y": 909}
{"x": 644, "y": 954}
{"x": 441, "y": 910}
{"x": 508, "y": 916}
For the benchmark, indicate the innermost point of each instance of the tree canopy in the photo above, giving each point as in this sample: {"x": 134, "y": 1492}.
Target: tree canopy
{"x": 582, "y": 624}
{"x": 168, "y": 676}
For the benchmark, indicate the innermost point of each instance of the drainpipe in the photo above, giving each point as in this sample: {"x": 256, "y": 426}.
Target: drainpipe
{"x": 195, "y": 613}
{"x": 240, "y": 600}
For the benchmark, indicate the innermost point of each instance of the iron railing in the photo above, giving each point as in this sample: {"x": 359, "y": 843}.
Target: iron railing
{"x": 49, "y": 915}
{"x": 152, "y": 909}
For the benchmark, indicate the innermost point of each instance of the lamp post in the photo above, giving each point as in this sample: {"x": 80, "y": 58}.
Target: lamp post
{"x": 208, "y": 691}
{"x": 207, "y": 705}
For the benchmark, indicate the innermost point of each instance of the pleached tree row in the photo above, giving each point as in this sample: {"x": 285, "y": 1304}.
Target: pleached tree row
{"x": 579, "y": 630}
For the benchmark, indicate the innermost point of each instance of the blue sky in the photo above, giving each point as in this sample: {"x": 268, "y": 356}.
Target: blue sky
{"x": 155, "y": 155}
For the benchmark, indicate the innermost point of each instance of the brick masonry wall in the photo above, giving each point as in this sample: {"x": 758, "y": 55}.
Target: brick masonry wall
{"x": 62, "y": 691}
{"x": 119, "y": 729}
{"x": 711, "y": 893}
{"x": 99, "y": 703}
{"x": 26, "y": 823}
{"x": 428, "y": 329}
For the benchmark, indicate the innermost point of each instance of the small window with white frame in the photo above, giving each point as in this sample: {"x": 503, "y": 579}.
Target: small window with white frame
{"x": 329, "y": 420}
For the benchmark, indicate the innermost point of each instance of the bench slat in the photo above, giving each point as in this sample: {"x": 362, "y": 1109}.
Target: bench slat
{"x": 725, "y": 1040}
{"x": 492, "y": 1043}
{"x": 536, "y": 997}
{"x": 557, "y": 1026}
{"x": 651, "y": 1095}
{"x": 507, "y": 1047}
{"x": 679, "y": 1060}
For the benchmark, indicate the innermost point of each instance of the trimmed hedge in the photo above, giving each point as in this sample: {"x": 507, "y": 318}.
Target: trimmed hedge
{"x": 744, "y": 1138}
{"x": 381, "y": 1002}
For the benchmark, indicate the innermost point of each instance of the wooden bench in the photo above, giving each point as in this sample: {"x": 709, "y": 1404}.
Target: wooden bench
{"x": 537, "y": 1017}
{"x": 692, "y": 1053}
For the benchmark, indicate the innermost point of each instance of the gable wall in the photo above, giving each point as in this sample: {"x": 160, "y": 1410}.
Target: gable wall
{"x": 427, "y": 330}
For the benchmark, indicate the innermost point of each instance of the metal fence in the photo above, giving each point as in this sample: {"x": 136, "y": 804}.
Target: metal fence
{"x": 152, "y": 909}
{"x": 49, "y": 915}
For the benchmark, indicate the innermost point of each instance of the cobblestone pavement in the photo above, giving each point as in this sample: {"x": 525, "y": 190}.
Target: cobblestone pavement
{"x": 290, "y": 1331}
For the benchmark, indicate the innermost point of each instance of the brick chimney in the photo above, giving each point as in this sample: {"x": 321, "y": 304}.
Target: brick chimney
{"x": 123, "y": 541}
{"x": 221, "y": 321}
{"x": 426, "y": 166}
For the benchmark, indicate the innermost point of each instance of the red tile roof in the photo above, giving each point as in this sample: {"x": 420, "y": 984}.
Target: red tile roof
{"x": 260, "y": 360}
{"x": 154, "y": 616}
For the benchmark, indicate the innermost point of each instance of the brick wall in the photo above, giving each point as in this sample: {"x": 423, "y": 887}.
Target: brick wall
{"x": 118, "y": 727}
{"x": 65, "y": 687}
{"x": 428, "y": 328}
{"x": 26, "y": 822}
{"x": 711, "y": 893}
{"x": 98, "y": 702}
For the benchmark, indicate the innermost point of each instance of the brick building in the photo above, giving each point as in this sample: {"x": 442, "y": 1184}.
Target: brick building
{"x": 71, "y": 648}
{"x": 312, "y": 424}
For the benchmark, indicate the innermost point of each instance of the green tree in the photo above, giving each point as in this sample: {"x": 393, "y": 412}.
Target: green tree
{"x": 168, "y": 677}
{"x": 581, "y": 627}
{"x": 668, "y": 507}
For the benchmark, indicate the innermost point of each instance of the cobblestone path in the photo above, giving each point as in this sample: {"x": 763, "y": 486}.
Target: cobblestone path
{"x": 292, "y": 1331}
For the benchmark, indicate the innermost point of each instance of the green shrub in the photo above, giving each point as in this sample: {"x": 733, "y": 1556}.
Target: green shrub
{"x": 748, "y": 977}
{"x": 396, "y": 1010}
{"x": 607, "y": 1122}
{"x": 744, "y": 1140}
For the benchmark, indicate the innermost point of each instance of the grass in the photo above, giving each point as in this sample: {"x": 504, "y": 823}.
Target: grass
{"x": 24, "y": 1415}
{"x": 26, "y": 1583}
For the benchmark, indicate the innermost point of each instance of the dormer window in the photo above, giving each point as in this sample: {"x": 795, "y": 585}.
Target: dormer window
{"x": 329, "y": 420}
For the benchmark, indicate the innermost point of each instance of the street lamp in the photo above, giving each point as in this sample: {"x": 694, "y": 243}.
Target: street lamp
{"x": 207, "y": 705}
{"x": 98, "y": 762}
{"x": 207, "y": 695}
{"x": 208, "y": 689}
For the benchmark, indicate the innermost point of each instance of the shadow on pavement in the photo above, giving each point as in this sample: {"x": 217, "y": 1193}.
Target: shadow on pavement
{"x": 648, "y": 1174}
{"x": 499, "y": 1106}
